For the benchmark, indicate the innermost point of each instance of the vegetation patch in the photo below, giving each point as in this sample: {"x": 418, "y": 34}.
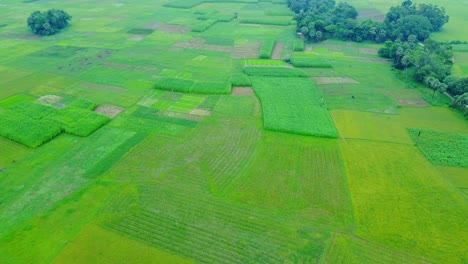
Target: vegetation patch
{"x": 442, "y": 148}
{"x": 267, "y": 48}
{"x": 27, "y": 130}
{"x": 309, "y": 61}
{"x": 240, "y": 80}
{"x": 140, "y": 31}
{"x": 60, "y": 51}
{"x": 15, "y": 99}
{"x": 293, "y": 105}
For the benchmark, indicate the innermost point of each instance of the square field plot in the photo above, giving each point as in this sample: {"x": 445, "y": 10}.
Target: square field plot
{"x": 293, "y": 105}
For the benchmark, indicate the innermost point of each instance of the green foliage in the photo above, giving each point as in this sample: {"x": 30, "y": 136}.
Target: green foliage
{"x": 442, "y": 148}
{"x": 49, "y": 22}
{"x": 82, "y": 103}
{"x": 240, "y": 80}
{"x": 26, "y": 130}
{"x": 298, "y": 45}
{"x": 15, "y": 99}
{"x": 149, "y": 113}
{"x": 78, "y": 121}
{"x": 308, "y": 61}
{"x": 174, "y": 84}
{"x": 274, "y": 72}
{"x": 189, "y": 86}
{"x": 185, "y": 4}
{"x": 267, "y": 48}
{"x": 203, "y": 25}
{"x": 293, "y": 105}
{"x": 140, "y": 31}
{"x": 211, "y": 87}
{"x": 33, "y": 110}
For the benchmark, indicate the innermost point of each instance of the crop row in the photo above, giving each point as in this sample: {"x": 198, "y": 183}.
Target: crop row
{"x": 273, "y": 21}
{"x": 293, "y": 105}
{"x": 189, "y": 86}
{"x": 201, "y": 244}
{"x": 267, "y": 48}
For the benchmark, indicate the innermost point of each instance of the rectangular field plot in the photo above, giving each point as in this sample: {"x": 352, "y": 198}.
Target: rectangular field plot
{"x": 442, "y": 148}
{"x": 293, "y": 105}
{"x": 370, "y": 126}
{"x": 357, "y": 97}
{"x": 207, "y": 229}
{"x": 349, "y": 249}
{"x": 402, "y": 203}
{"x": 297, "y": 175}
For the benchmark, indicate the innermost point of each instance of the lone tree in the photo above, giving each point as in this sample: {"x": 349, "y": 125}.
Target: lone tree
{"x": 49, "y": 22}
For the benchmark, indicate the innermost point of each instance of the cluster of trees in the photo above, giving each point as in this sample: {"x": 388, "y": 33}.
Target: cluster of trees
{"x": 321, "y": 19}
{"x": 430, "y": 62}
{"x": 49, "y": 22}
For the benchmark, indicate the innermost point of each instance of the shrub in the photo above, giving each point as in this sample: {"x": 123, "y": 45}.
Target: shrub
{"x": 298, "y": 45}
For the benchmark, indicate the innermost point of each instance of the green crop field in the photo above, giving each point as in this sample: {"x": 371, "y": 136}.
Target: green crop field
{"x": 208, "y": 131}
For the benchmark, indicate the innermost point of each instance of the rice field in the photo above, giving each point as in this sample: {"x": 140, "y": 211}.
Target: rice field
{"x": 207, "y": 131}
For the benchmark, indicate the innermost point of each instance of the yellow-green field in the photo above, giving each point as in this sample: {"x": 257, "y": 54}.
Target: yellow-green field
{"x": 157, "y": 134}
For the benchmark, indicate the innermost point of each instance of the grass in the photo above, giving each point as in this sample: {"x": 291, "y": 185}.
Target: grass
{"x": 442, "y": 148}
{"x": 293, "y": 105}
{"x": 396, "y": 178}
{"x": 267, "y": 48}
{"x": 188, "y": 173}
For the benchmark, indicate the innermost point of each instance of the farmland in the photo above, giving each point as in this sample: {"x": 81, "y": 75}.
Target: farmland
{"x": 206, "y": 131}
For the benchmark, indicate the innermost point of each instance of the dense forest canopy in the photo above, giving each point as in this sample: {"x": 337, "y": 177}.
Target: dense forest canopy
{"x": 321, "y": 19}
{"x": 49, "y": 22}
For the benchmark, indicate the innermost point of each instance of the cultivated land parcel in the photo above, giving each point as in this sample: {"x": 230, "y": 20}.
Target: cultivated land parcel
{"x": 151, "y": 131}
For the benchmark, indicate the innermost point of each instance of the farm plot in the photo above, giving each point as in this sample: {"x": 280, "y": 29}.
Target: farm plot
{"x": 297, "y": 175}
{"x": 402, "y": 203}
{"x": 442, "y": 148}
{"x": 211, "y": 159}
{"x": 69, "y": 173}
{"x": 210, "y": 230}
{"x": 370, "y": 126}
{"x": 97, "y": 244}
{"x": 346, "y": 248}
{"x": 357, "y": 97}
{"x": 293, "y": 105}
{"x": 309, "y": 60}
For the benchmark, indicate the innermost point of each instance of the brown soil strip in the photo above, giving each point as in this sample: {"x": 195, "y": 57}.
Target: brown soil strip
{"x": 333, "y": 80}
{"x": 242, "y": 91}
{"x": 277, "y": 51}
{"x": 109, "y": 110}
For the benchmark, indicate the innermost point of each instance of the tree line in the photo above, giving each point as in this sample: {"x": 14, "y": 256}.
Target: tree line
{"x": 405, "y": 31}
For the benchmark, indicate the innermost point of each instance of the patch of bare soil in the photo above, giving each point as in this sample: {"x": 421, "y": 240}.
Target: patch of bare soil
{"x": 333, "y": 80}
{"x": 95, "y": 86}
{"x": 110, "y": 111}
{"x": 246, "y": 51}
{"x": 168, "y": 28}
{"x": 136, "y": 38}
{"x": 49, "y": 99}
{"x": 199, "y": 44}
{"x": 277, "y": 50}
{"x": 412, "y": 102}
{"x": 242, "y": 91}
{"x": 190, "y": 116}
{"x": 370, "y": 51}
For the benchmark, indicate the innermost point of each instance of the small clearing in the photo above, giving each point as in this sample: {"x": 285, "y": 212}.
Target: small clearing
{"x": 246, "y": 51}
{"x": 168, "y": 28}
